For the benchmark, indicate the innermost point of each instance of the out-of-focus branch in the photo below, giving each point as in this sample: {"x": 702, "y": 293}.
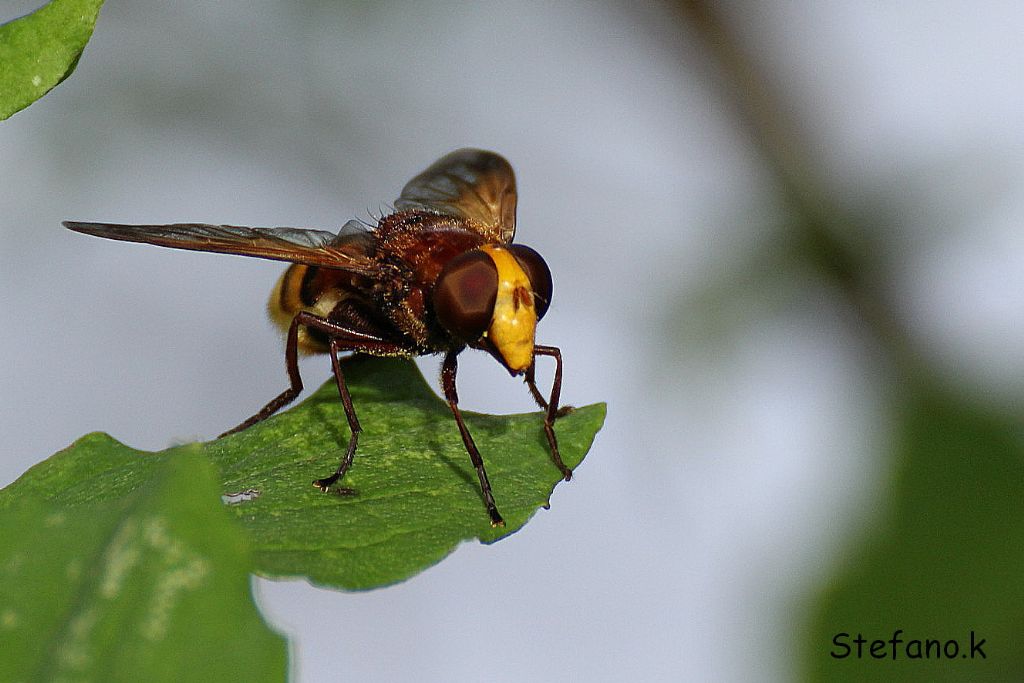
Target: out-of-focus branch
{"x": 821, "y": 231}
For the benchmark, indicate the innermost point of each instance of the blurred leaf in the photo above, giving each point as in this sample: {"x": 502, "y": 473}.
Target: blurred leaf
{"x": 945, "y": 560}
{"x": 151, "y": 587}
{"x": 762, "y": 277}
{"x": 417, "y": 493}
{"x": 41, "y": 49}
{"x": 733, "y": 297}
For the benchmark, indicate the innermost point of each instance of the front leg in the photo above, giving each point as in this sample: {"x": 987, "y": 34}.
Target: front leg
{"x": 531, "y": 383}
{"x": 550, "y": 405}
{"x": 448, "y": 372}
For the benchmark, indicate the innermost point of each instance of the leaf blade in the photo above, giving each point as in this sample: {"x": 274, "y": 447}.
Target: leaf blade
{"x": 417, "y": 500}
{"x": 152, "y": 586}
{"x": 942, "y": 563}
{"x": 41, "y": 49}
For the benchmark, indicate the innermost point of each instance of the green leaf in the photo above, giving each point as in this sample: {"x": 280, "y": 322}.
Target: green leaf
{"x": 41, "y": 49}
{"x": 417, "y": 493}
{"x": 153, "y": 586}
{"x": 946, "y": 558}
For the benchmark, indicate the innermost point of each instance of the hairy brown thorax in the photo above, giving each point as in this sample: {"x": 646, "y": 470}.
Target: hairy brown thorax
{"x": 412, "y": 248}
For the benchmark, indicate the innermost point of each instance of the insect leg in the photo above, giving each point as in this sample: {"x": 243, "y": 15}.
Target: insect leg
{"x": 343, "y": 339}
{"x": 448, "y": 372}
{"x": 551, "y": 405}
{"x": 350, "y": 414}
{"x": 531, "y": 382}
{"x": 289, "y": 394}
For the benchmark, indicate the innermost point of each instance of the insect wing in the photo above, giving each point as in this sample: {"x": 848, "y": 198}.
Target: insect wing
{"x": 348, "y": 250}
{"x": 355, "y": 239}
{"x": 470, "y": 183}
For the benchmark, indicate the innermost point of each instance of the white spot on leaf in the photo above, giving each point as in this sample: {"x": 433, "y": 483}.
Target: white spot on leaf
{"x": 74, "y": 569}
{"x": 8, "y": 619}
{"x": 181, "y": 570}
{"x": 74, "y": 651}
{"x": 121, "y": 557}
{"x": 55, "y": 519}
{"x": 240, "y": 497}
{"x": 168, "y": 592}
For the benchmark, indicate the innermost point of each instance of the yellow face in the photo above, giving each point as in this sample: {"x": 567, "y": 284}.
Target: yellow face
{"x": 514, "y": 322}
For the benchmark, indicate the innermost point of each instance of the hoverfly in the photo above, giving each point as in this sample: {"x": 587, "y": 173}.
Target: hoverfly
{"x": 438, "y": 275}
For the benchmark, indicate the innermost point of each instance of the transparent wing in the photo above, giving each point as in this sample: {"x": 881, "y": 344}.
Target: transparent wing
{"x": 470, "y": 183}
{"x": 354, "y": 239}
{"x": 349, "y": 250}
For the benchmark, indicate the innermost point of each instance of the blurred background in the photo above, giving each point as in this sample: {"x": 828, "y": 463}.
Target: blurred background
{"x": 787, "y": 252}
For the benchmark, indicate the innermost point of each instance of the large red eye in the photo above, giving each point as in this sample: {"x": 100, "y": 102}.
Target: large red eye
{"x": 539, "y": 274}
{"x": 464, "y": 295}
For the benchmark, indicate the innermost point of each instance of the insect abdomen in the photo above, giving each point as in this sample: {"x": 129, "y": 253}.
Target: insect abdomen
{"x": 292, "y": 294}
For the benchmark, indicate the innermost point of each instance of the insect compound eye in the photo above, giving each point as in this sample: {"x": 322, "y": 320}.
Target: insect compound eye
{"x": 464, "y": 295}
{"x": 539, "y": 274}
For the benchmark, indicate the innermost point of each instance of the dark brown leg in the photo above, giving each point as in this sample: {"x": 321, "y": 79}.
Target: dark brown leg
{"x": 531, "y": 382}
{"x": 551, "y": 405}
{"x": 342, "y": 339}
{"x": 288, "y": 395}
{"x": 350, "y": 414}
{"x": 448, "y": 372}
